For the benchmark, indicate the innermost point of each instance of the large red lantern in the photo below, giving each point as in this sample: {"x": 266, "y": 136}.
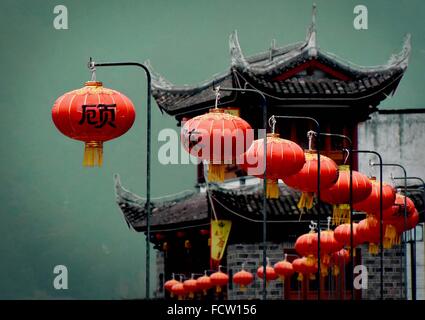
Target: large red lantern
{"x": 342, "y": 234}
{"x": 397, "y": 209}
{"x": 306, "y": 179}
{"x": 304, "y": 267}
{"x": 243, "y": 278}
{"x": 410, "y": 205}
{"x": 368, "y": 231}
{"x": 371, "y": 204}
{"x": 339, "y": 193}
{"x": 219, "y": 279}
{"x": 306, "y": 245}
{"x": 93, "y": 114}
{"x": 412, "y": 220}
{"x": 204, "y": 283}
{"x": 340, "y": 259}
{"x": 283, "y": 268}
{"x": 328, "y": 245}
{"x": 218, "y": 138}
{"x": 284, "y": 158}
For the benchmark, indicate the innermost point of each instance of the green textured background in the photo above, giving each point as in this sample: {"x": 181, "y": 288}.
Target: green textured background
{"x": 53, "y": 211}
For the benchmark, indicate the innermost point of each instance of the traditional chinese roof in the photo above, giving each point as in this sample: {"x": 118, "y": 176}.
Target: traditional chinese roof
{"x": 296, "y": 73}
{"x": 190, "y": 209}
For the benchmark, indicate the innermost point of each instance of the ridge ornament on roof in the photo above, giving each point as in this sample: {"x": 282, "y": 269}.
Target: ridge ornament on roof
{"x": 300, "y": 73}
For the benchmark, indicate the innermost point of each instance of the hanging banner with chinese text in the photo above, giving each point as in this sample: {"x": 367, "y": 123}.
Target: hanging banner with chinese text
{"x": 220, "y": 230}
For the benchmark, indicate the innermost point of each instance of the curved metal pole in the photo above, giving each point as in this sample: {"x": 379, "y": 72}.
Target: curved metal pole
{"x": 264, "y": 107}
{"x": 405, "y": 225}
{"x": 350, "y": 149}
{"x": 381, "y": 220}
{"x": 413, "y": 241}
{"x": 148, "y": 159}
{"x": 318, "y": 188}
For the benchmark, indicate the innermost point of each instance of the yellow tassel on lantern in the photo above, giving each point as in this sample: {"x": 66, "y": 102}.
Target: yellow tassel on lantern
{"x": 341, "y": 214}
{"x": 323, "y": 269}
{"x": 272, "y": 190}
{"x": 373, "y": 248}
{"x": 216, "y": 172}
{"x": 93, "y": 154}
{"x": 312, "y": 276}
{"x": 390, "y": 237}
{"x": 191, "y": 295}
{"x": 217, "y": 289}
{"x": 349, "y": 250}
{"x": 242, "y": 288}
{"x": 187, "y": 245}
{"x": 306, "y": 200}
{"x": 335, "y": 271}
{"x": 180, "y": 298}
{"x": 326, "y": 259}
{"x": 311, "y": 260}
{"x": 300, "y": 276}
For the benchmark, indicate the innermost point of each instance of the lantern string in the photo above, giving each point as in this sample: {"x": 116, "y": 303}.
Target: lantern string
{"x": 207, "y": 184}
{"x": 310, "y": 135}
{"x": 92, "y": 68}
{"x": 217, "y": 96}
{"x": 347, "y": 156}
{"x": 272, "y": 123}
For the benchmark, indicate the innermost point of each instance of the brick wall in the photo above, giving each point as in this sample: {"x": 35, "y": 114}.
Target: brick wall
{"x": 393, "y": 278}
{"x": 252, "y": 256}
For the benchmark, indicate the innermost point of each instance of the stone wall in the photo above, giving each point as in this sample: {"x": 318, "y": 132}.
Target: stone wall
{"x": 252, "y": 256}
{"x": 160, "y": 275}
{"x": 399, "y": 138}
{"x": 394, "y": 276}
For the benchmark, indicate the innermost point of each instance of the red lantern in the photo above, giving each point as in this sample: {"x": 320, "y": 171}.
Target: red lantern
{"x": 304, "y": 267}
{"x": 218, "y": 138}
{"x": 410, "y": 205}
{"x": 413, "y": 220}
{"x": 283, "y": 269}
{"x": 306, "y": 179}
{"x": 191, "y": 286}
{"x": 204, "y": 232}
{"x": 179, "y": 290}
{"x": 342, "y": 234}
{"x": 339, "y": 193}
{"x": 204, "y": 283}
{"x": 169, "y": 285}
{"x": 243, "y": 278}
{"x": 328, "y": 245}
{"x": 93, "y": 114}
{"x": 270, "y": 273}
{"x": 397, "y": 209}
{"x": 306, "y": 245}
{"x": 219, "y": 279}
{"x": 159, "y": 236}
{"x": 180, "y": 234}
{"x": 284, "y": 158}
{"x": 368, "y": 231}
{"x": 371, "y": 204}
{"x": 340, "y": 259}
